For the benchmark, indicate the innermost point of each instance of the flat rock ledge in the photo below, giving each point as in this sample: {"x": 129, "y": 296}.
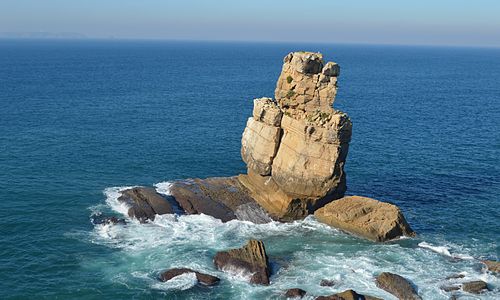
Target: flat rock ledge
{"x": 369, "y": 218}
{"x": 475, "y": 287}
{"x": 397, "y": 285}
{"x": 250, "y": 261}
{"x": 204, "y": 279}
{"x": 347, "y": 295}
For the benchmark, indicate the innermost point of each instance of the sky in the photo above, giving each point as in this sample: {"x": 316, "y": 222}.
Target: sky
{"x": 422, "y": 22}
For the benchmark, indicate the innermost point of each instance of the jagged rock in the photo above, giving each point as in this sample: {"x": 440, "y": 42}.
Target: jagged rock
{"x": 295, "y": 148}
{"x": 455, "y": 276}
{"x": 106, "y": 220}
{"x": 305, "y": 83}
{"x": 295, "y": 293}
{"x": 250, "y": 260}
{"x": 204, "y": 279}
{"x": 493, "y": 266}
{"x": 145, "y": 203}
{"x": 347, "y": 295}
{"x": 397, "y": 285}
{"x": 475, "y": 287}
{"x": 366, "y": 217}
{"x": 223, "y": 198}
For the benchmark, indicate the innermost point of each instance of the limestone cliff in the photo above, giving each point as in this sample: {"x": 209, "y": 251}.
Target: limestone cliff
{"x": 295, "y": 146}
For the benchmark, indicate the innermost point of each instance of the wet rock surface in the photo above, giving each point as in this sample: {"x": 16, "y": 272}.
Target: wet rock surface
{"x": 366, "y": 217}
{"x": 347, "y": 295}
{"x": 295, "y": 293}
{"x": 397, "y": 285}
{"x": 107, "y": 220}
{"x": 492, "y": 266}
{"x": 223, "y": 198}
{"x": 251, "y": 260}
{"x": 204, "y": 279}
{"x": 475, "y": 287}
{"x": 145, "y": 203}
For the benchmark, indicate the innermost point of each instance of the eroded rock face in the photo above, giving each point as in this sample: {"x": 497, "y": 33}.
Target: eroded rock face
{"x": 366, "y": 217}
{"x": 250, "y": 260}
{"x": 295, "y": 147}
{"x": 145, "y": 203}
{"x": 397, "y": 285}
{"x": 204, "y": 279}
{"x": 223, "y": 198}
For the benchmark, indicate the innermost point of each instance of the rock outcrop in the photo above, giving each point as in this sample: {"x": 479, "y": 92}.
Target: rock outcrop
{"x": 366, "y": 217}
{"x": 251, "y": 261}
{"x": 223, "y": 198}
{"x": 295, "y": 146}
{"x": 145, "y": 203}
{"x": 397, "y": 285}
{"x": 204, "y": 279}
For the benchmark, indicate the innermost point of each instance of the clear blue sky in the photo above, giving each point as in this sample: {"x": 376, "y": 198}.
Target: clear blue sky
{"x": 443, "y": 22}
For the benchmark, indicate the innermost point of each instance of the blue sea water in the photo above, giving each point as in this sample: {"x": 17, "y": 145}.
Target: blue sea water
{"x": 80, "y": 120}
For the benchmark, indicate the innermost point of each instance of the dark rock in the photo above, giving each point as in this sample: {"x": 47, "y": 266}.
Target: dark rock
{"x": 450, "y": 288}
{"x": 295, "y": 293}
{"x": 475, "y": 287}
{"x": 347, "y": 295}
{"x": 326, "y": 282}
{"x": 223, "y": 198}
{"x": 493, "y": 266}
{"x": 250, "y": 259}
{"x": 396, "y": 285}
{"x": 145, "y": 203}
{"x": 455, "y": 276}
{"x": 106, "y": 220}
{"x": 204, "y": 279}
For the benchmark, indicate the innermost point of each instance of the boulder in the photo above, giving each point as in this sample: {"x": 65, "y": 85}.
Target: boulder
{"x": 145, "y": 203}
{"x": 251, "y": 260}
{"x": 493, "y": 266}
{"x": 450, "y": 288}
{"x": 204, "y": 279}
{"x": 365, "y": 217}
{"x": 397, "y": 285}
{"x": 475, "y": 287}
{"x": 223, "y": 198}
{"x": 295, "y": 293}
{"x": 347, "y": 295}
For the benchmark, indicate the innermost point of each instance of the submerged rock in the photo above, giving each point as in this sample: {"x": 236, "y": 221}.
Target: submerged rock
{"x": 327, "y": 282}
{"x": 145, "y": 203}
{"x": 493, "y": 266}
{"x": 295, "y": 293}
{"x": 251, "y": 260}
{"x": 107, "y": 220}
{"x": 223, "y": 198}
{"x": 397, "y": 285}
{"x": 366, "y": 217}
{"x": 347, "y": 295}
{"x": 475, "y": 287}
{"x": 202, "y": 278}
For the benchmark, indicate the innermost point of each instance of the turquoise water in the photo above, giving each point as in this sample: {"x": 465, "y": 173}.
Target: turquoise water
{"x": 79, "y": 120}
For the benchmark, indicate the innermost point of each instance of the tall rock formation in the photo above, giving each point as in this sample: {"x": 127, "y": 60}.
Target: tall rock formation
{"x": 295, "y": 146}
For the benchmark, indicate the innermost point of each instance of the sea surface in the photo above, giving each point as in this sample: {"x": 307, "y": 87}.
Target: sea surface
{"x": 81, "y": 120}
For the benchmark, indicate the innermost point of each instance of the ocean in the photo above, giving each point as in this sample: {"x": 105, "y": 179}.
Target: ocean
{"x": 80, "y": 120}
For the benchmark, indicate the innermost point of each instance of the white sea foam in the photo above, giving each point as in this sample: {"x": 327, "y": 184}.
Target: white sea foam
{"x": 304, "y": 253}
{"x": 182, "y": 282}
{"x": 444, "y": 251}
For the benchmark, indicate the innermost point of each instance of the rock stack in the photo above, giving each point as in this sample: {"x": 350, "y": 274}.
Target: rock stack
{"x": 295, "y": 146}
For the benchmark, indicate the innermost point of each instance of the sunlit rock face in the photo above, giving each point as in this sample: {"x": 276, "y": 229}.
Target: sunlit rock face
{"x": 295, "y": 146}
